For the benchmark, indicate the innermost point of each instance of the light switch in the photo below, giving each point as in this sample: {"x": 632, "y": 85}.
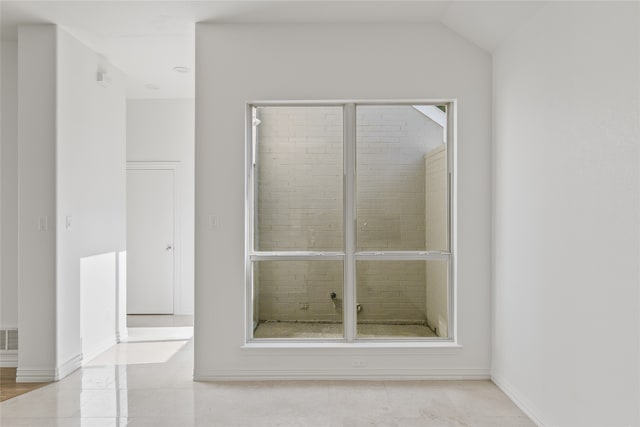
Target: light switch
{"x": 213, "y": 222}
{"x": 68, "y": 222}
{"x": 43, "y": 223}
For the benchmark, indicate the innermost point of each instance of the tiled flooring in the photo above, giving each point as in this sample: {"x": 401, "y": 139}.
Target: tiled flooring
{"x": 149, "y": 384}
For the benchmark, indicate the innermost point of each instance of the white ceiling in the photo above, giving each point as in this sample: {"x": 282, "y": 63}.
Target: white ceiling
{"x": 147, "y": 38}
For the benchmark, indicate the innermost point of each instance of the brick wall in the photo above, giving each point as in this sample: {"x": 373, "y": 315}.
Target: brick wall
{"x": 284, "y": 286}
{"x": 299, "y": 181}
{"x": 299, "y": 170}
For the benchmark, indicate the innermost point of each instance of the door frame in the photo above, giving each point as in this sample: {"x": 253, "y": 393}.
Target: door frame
{"x": 177, "y": 237}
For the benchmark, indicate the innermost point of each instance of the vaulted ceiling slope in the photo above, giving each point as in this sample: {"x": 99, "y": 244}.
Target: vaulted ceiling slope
{"x": 146, "y": 39}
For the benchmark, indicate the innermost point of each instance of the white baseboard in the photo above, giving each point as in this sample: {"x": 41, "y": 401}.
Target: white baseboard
{"x": 29, "y": 375}
{"x": 122, "y": 336}
{"x": 518, "y": 398}
{"x": 8, "y": 359}
{"x": 68, "y": 367}
{"x": 373, "y": 375}
{"x": 26, "y": 375}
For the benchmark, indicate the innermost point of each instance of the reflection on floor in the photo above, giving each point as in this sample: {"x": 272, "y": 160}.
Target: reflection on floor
{"x": 334, "y": 330}
{"x": 138, "y": 353}
{"x": 163, "y": 394}
{"x": 142, "y": 328}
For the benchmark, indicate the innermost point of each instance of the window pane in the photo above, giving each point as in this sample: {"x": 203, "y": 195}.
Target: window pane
{"x": 402, "y": 299}
{"x": 293, "y": 299}
{"x": 299, "y": 173}
{"x": 402, "y": 191}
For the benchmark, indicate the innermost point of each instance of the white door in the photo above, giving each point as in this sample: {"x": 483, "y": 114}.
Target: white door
{"x": 150, "y": 241}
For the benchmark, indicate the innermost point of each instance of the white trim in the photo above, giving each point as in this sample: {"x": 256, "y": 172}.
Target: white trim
{"x": 26, "y": 375}
{"x": 350, "y": 256}
{"x": 343, "y": 102}
{"x": 122, "y": 336}
{"x": 349, "y": 207}
{"x": 452, "y": 160}
{"x": 249, "y": 306}
{"x": 177, "y": 236}
{"x": 121, "y": 296}
{"x": 403, "y": 256}
{"x": 518, "y": 398}
{"x": 68, "y": 367}
{"x": 297, "y": 255}
{"x": 436, "y": 345}
{"x": 345, "y": 374}
{"x": 9, "y": 359}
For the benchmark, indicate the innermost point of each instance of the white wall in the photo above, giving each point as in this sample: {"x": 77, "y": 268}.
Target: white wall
{"x": 332, "y": 62}
{"x": 9, "y": 188}
{"x": 163, "y": 130}
{"x": 566, "y": 326}
{"x": 71, "y": 164}
{"x": 91, "y": 189}
{"x": 98, "y": 284}
{"x": 37, "y": 182}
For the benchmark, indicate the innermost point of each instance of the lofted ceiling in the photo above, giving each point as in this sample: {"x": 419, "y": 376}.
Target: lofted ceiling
{"x": 146, "y": 39}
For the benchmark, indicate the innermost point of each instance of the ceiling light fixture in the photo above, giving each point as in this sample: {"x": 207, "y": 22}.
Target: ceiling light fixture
{"x": 182, "y": 70}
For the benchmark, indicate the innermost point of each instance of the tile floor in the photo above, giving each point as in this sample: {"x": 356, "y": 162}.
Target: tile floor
{"x": 121, "y": 388}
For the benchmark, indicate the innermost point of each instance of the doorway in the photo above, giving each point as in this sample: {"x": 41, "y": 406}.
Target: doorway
{"x": 160, "y": 163}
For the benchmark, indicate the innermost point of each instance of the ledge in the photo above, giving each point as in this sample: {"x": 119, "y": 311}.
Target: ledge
{"x": 355, "y": 345}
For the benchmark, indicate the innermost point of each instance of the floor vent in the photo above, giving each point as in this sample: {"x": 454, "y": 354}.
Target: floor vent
{"x": 8, "y": 339}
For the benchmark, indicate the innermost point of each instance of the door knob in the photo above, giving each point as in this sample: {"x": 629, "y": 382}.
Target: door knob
{"x": 169, "y": 247}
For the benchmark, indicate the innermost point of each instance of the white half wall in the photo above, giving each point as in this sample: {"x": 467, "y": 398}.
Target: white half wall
{"x": 162, "y": 130}
{"x": 9, "y": 188}
{"x": 98, "y": 283}
{"x": 565, "y": 265}
{"x": 91, "y": 198}
{"x": 241, "y": 63}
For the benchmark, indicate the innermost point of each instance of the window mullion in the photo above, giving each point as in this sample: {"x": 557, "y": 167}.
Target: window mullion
{"x": 349, "y": 220}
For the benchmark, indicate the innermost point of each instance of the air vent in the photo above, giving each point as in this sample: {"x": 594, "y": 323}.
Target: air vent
{"x": 8, "y": 340}
{"x": 12, "y": 339}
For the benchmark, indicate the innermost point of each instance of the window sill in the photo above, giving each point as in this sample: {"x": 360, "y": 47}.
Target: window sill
{"x": 354, "y": 345}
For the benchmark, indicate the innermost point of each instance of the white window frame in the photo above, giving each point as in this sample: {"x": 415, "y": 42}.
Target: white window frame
{"x": 349, "y": 256}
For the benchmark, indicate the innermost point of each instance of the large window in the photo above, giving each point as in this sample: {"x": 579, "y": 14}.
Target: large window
{"x": 349, "y": 221}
